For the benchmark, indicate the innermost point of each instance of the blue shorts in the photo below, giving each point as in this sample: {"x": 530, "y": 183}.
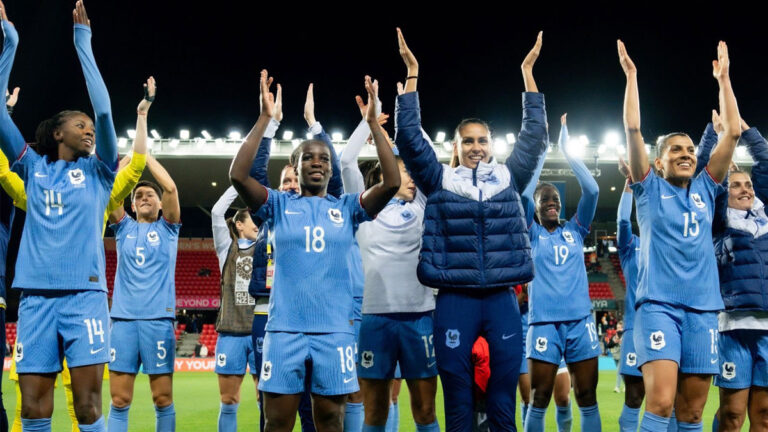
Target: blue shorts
{"x": 54, "y": 325}
{"x": 572, "y": 341}
{"x": 290, "y": 357}
{"x": 628, "y": 362}
{"x": 386, "y": 339}
{"x": 743, "y": 359}
{"x": 257, "y": 336}
{"x": 150, "y": 344}
{"x": 233, "y": 353}
{"x": 667, "y": 332}
{"x": 358, "y": 324}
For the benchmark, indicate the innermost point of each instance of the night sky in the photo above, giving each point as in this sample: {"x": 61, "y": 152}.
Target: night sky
{"x": 206, "y": 59}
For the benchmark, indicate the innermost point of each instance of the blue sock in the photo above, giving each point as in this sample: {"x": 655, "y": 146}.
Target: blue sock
{"x": 395, "y": 418}
{"x": 228, "y": 417}
{"x": 683, "y": 426}
{"x": 653, "y": 423}
{"x": 118, "y": 419}
{"x": 629, "y": 419}
{"x": 534, "y": 421}
{"x": 368, "y": 428}
{"x": 353, "y": 418}
{"x": 36, "y": 425}
{"x": 432, "y": 427}
{"x": 391, "y": 425}
{"x": 165, "y": 418}
{"x": 564, "y": 418}
{"x": 97, "y": 426}
{"x": 715, "y": 423}
{"x": 672, "y": 422}
{"x": 523, "y": 413}
{"x": 590, "y": 419}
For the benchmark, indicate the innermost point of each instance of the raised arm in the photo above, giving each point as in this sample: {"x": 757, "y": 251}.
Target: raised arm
{"x": 106, "y": 138}
{"x": 376, "y": 198}
{"x": 350, "y": 170}
{"x": 412, "y": 66}
{"x": 12, "y": 184}
{"x": 251, "y": 190}
{"x": 758, "y": 149}
{"x": 11, "y": 141}
{"x": 707, "y": 142}
{"x": 585, "y": 210}
{"x": 624, "y": 215}
{"x": 261, "y": 162}
{"x": 170, "y": 202}
{"x": 128, "y": 176}
{"x": 638, "y": 158}
{"x": 221, "y": 236}
{"x": 529, "y": 205}
{"x": 527, "y": 66}
{"x": 729, "y": 115}
{"x": 335, "y": 184}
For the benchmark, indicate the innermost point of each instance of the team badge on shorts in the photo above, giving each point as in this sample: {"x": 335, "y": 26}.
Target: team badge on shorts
{"x": 112, "y": 354}
{"x": 266, "y": 370}
{"x": 76, "y": 176}
{"x": 452, "y": 338}
{"x": 152, "y": 237}
{"x": 221, "y": 360}
{"x": 541, "y": 344}
{"x": 335, "y": 216}
{"x": 657, "y": 340}
{"x": 631, "y": 359}
{"x": 568, "y": 236}
{"x": 696, "y": 198}
{"x": 19, "y": 352}
{"x": 260, "y": 344}
{"x": 366, "y": 360}
{"x": 729, "y": 370}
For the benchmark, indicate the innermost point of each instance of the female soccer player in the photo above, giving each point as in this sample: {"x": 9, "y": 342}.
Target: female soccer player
{"x": 312, "y": 305}
{"x": 474, "y": 247}
{"x": 397, "y": 308}
{"x": 68, "y": 191}
{"x": 675, "y": 331}
{"x": 559, "y": 329}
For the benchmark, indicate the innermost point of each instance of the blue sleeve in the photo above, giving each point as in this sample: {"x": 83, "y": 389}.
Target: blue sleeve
{"x": 335, "y": 185}
{"x": 758, "y": 149}
{"x": 531, "y": 141}
{"x": 419, "y": 157}
{"x": 267, "y": 211}
{"x": 624, "y": 231}
{"x": 706, "y": 144}
{"x": 261, "y": 161}
{"x": 11, "y": 141}
{"x": 585, "y": 210}
{"x": 106, "y": 138}
{"x": 527, "y": 197}
{"x": 355, "y": 207}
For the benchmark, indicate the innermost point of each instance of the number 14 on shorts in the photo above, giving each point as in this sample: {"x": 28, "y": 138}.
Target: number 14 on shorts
{"x": 95, "y": 328}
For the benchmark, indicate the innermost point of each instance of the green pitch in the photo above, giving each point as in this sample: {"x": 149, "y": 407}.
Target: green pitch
{"x": 196, "y": 397}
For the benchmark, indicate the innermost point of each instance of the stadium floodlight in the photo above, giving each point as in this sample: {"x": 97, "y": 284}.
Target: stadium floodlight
{"x": 511, "y": 138}
{"x": 648, "y": 149}
{"x": 613, "y": 188}
{"x": 122, "y": 142}
{"x": 295, "y": 143}
{"x": 200, "y": 142}
{"x": 150, "y": 143}
{"x": 499, "y": 146}
{"x": 741, "y": 152}
{"x": 602, "y": 148}
{"x": 337, "y": 136}
{"x": 174, "y": 143}
{"x": 584, "y": 140}
{"x": 288, "y": 135}
{"x": 132, "y": 133}
{"x": 440, "y": 137}
{"x": 309, "y": 135}
{"x": 612, "y": 138}
{"x": 206, "y": 135}
{"x": 219, "y": 142}
{"x": 576, "y": 147}
{"x": 448, "y": 146}
{"x": 184, "y": 134}
{"x": 155, "y": 134}
{"x": 213, "y": 184}
{"x": 235, "y": 136}
{"x": 620, "y": 150}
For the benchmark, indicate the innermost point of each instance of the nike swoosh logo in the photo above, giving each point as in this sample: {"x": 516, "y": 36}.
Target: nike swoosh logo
{"x": 95, "y": 351}
{"x": 160, "y": 364}
{"x": 542, "y": 237}
{"x": 288, "y": 212}
{"x": 505, "y": 337}
{"x": 37, "y": 174}
{"x": 131, "y": 236}
{"x": 713, "y": 361}
{"x": 595, "y": 345}
{"x": 346, "y": 380}
{"x": 666, "y": 196}
{"x": 429, "y": 365}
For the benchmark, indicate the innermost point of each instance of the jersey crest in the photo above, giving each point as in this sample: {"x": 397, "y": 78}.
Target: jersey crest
{"x": 568, "y": 236}
{"x": 367, "y": 359}
{"x": 452, "y": 338}
{"x": 152, "y": 237}
{"x": 335, "y": 216}
{"x": 76, "y": 177}
{"x": 696, "y": 198}
{"x": 729, "y": 370}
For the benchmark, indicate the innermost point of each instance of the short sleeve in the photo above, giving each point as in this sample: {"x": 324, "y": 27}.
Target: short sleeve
{"x": 645, "y": 186}
{"x": 576, "y": 226}
{"x": 122, "y": 223}
{"x": 27, "y": 159}
{"x": 103, "y": 171}
{"x": 170, "y": 227}
{"x": 709, "y": 183}
{"x": 268, "y": 210}
{"x": 354, "y": 204}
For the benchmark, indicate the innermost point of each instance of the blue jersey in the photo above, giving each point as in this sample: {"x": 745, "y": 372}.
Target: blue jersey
{"x": 313, "y": 289}
{"x": 628, "y": 260}
{"x": 559, "y": 291}
{"x": 676, "y": 262}
{"x": 145, "y": 286}
{"x": 61, "y": 246}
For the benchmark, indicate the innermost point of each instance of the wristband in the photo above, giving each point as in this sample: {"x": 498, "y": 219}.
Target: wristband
{"x": 147, "y": 97}
{"x": 412, "y": 77}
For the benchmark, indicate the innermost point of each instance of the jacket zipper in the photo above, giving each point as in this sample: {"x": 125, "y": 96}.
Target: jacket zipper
{"x": 481, "y": 233}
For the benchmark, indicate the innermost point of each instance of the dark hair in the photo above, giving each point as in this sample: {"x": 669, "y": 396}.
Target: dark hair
{"x": 468, "y": 121}
{"x": 149, "y": 184}
{"x": 46, "y": 143}
{"x": 662, "y": 142}
{"x": 239, "y": 216}
{"x": 293, "y": 159}
{"x": 372, "y": 172}
{"x": 536, "y": 193}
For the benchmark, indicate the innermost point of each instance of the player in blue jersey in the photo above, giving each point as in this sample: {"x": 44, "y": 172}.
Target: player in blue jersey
{"x": 678, "y": 292}
{"x": 144, "y": 299}
{"x": 558, "y": 329}
{"x": 63, "y": 311}
{"x": 310, "y": 325}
